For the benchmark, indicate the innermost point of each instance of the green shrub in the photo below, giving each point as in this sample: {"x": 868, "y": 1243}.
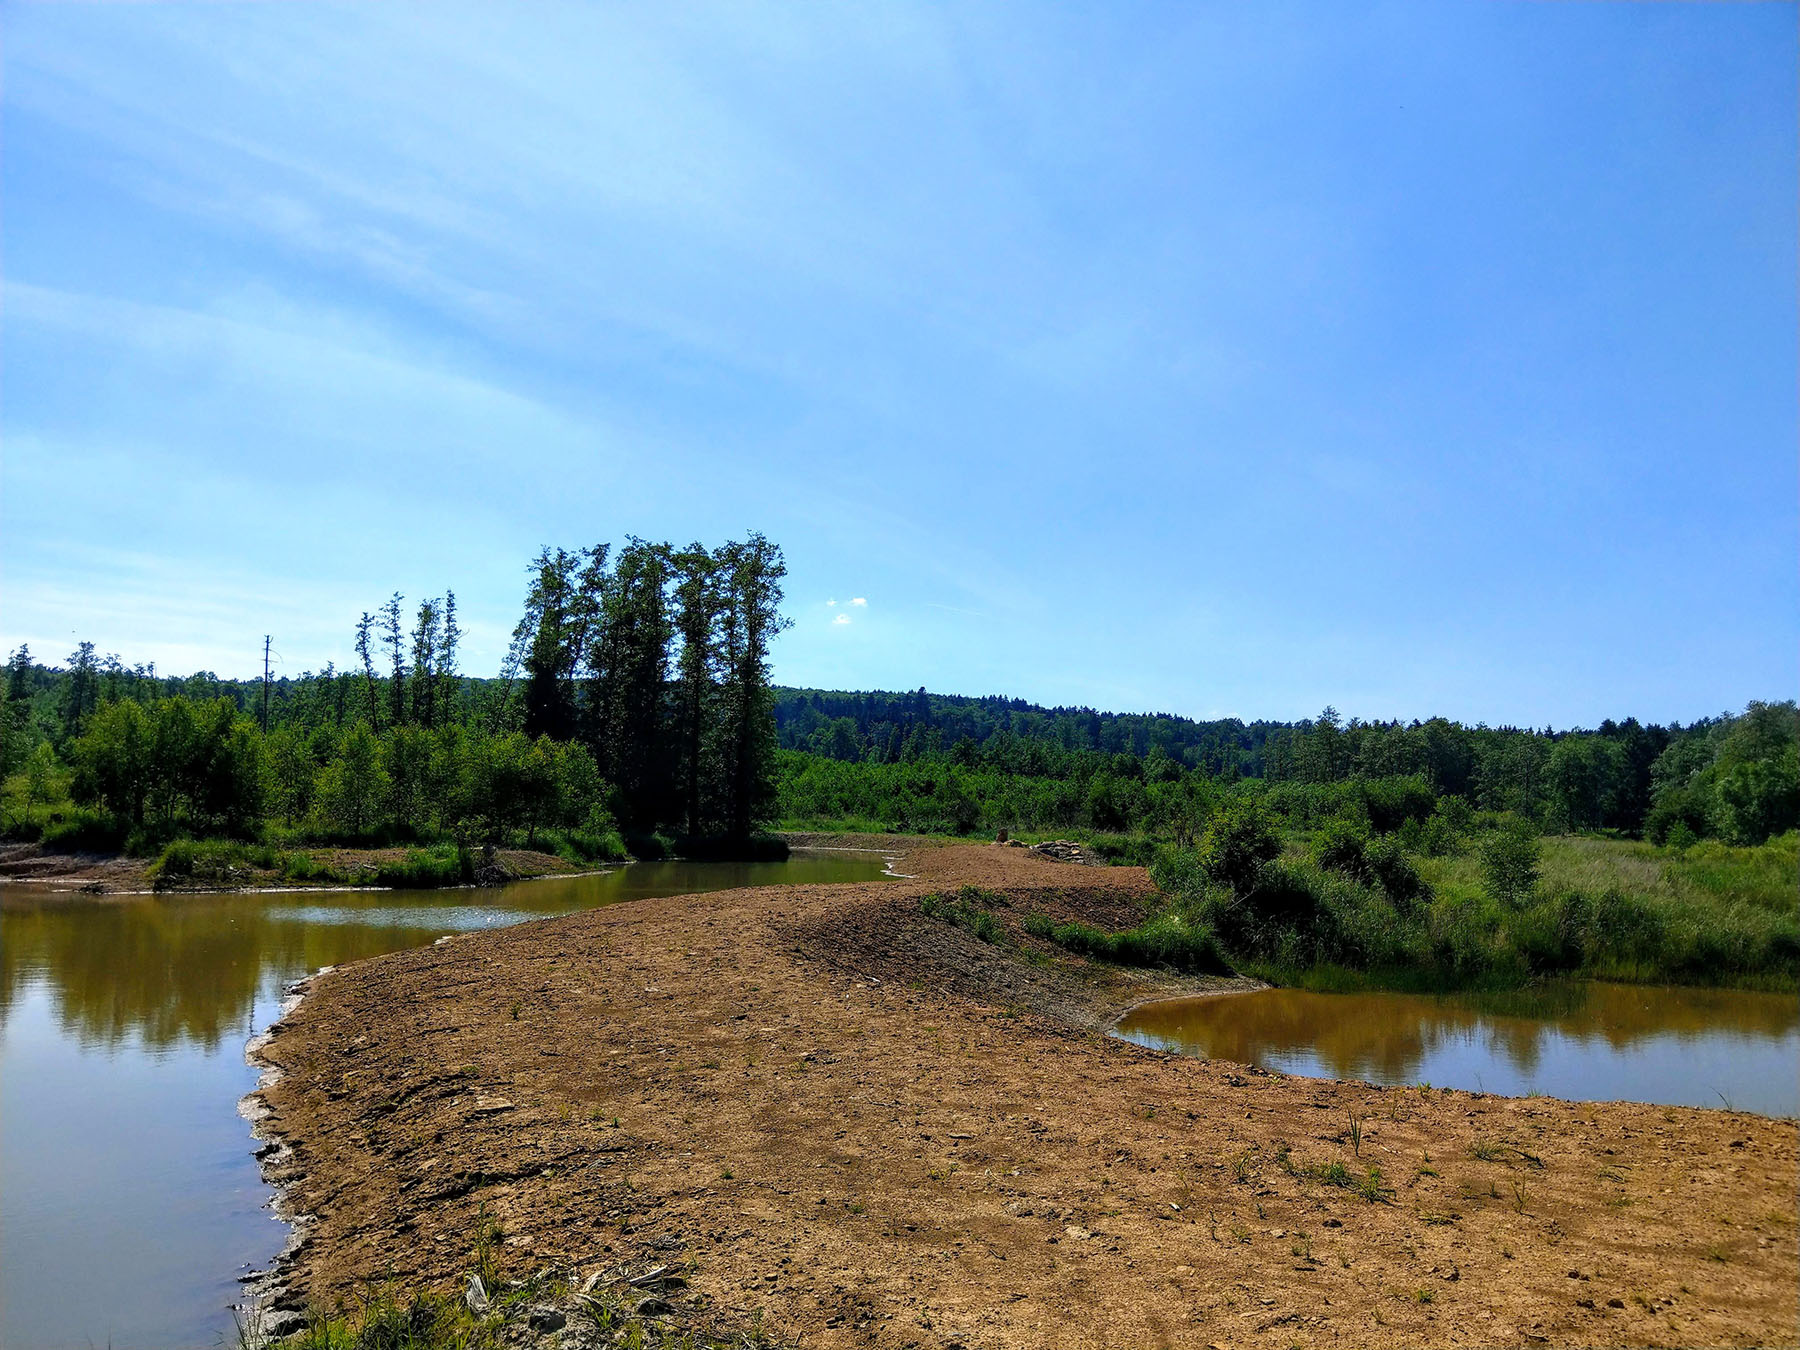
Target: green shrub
{"x": 420, "y": 869}
{"x": 211, "y": 861}
{"x": 1509, "y": 864}
{"x": 970, "y": 909}
{"x": 581, "y": 847}
{"x": 82, "y": 832}
{"x": 1239, "y": 839}
{"x": 1130, "y": 850}
{"x": 1166, "y": 940}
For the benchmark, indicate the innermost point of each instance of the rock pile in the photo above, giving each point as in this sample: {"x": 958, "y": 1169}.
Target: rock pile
{"x": 1063, "y": 850}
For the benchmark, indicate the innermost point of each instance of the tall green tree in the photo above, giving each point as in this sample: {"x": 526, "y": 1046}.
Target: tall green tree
{"x": 753, "y": 572}
{"x": 697, "y": 612}
{"x": 630, "y": 665}
{"x": 394, "y": 639}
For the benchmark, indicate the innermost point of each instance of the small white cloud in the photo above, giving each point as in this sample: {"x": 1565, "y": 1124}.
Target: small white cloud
{"x": 859, "y": 601}
{"x": 842, "y": 618}
{"x": 830, "y": 603}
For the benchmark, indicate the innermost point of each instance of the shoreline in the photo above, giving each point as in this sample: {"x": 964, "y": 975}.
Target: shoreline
{"x": 705, "y": 1144}
{"x": 263, "y": 1315}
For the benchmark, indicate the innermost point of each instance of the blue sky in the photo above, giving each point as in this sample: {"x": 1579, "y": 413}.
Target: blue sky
{"x": 1217, "y": 359}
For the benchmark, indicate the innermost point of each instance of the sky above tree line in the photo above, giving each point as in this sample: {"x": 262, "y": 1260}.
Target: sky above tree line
{"x": 1214, "y": 359}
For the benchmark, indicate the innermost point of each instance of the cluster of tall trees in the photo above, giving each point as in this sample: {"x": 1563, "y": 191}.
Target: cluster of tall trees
{"x": 656, "y": 659}
{"x": 636, "y": 690}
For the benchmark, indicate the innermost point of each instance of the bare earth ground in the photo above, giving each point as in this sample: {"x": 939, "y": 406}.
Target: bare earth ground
{"x": 872, "y": 1129}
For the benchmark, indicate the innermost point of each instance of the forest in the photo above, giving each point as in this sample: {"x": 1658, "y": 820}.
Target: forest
{"x": 633, "y": 710}
{"x": 924, "y": 761}
{"x": 633, "y": 714}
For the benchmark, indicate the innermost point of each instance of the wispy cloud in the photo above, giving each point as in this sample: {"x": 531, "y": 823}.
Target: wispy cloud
{"x": 842, "y": 618}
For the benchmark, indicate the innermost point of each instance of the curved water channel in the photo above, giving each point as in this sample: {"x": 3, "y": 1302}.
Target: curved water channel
{"x": 1578, "y": 1040}
{"x": 129, "y": 1200}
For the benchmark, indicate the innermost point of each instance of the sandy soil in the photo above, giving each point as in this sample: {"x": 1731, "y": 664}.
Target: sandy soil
{"x": 869, "y": 1128}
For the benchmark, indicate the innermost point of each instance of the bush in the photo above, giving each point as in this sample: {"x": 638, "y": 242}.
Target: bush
{"x": 83, "y": 832}
{"x": 1167, "y": 940}
{"x": 421, "y": 869}
{"x": 1342, "y": 846}
{"x": 1130, "y": 850}
{"x": 215, "y": 861}
{"x": 582, "y": 847}
{"x": 1239, "y": 840}
{"x": 1390, "y": 868}
{"x": 1509, "y": 864}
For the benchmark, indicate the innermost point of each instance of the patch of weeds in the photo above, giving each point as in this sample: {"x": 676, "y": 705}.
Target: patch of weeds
{"x": 1367, "y": 1184}
{"x": 1167, "y": 940}
{"x": 971, "y": 909}
{"x": 1489, "y": 1150}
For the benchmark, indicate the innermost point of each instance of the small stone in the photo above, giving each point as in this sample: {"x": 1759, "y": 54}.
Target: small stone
{"x": 282, "y": 1324}
{"x": 1615, "y": 1303}
{"x": 546, "y": 1318}
{"x": 653, "y": 1307}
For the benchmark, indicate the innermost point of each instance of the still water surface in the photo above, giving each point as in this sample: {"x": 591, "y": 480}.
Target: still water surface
{"x": 129, "y": 1202}
{"x": 1582, "y": 1041}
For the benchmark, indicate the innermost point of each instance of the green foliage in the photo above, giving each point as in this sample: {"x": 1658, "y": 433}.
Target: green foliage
{"x": 1240, "y": 840}
{"x": 1166, "y": 940}
{"x": 971, "y": 909}
{"x": 1509, "y": 865}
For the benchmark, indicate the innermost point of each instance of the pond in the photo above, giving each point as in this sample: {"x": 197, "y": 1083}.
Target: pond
{"x": 1582, "y": 1041}
{"x": 129, "y": 1201}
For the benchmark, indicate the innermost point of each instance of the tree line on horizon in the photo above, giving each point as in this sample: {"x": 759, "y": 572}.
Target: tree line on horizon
{"x": 634, "y": 698}
{"x": 914, "y": 758}
{"x": 645, "y": 671}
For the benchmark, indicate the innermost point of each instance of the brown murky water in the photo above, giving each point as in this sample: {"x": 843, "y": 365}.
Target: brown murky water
{"x": 1582, "y": 1041}
{"x": 129, "y": 1202}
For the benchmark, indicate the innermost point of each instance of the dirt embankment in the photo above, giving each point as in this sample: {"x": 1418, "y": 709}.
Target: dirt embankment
{"x": 866, "y": 1127}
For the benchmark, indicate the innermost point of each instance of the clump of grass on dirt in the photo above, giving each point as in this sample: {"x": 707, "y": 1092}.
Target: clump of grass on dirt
{"x": 1166, "y": 940}
{"x": 971, "y": 909}
{"x": 211, "y": 861}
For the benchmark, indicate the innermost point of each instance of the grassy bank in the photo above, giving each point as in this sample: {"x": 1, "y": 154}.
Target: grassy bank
{"x": 1487, "y": 905}
{"x": 1343, "y": 909}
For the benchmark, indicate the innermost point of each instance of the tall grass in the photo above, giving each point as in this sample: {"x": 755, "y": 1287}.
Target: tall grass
{"x": 1166, "y": 940}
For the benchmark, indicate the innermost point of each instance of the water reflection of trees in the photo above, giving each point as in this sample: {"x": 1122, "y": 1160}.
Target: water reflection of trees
{"x": 1387, "y": 1037}
{"x": 187, "y": 969}
{"x": 169, "y": 971}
